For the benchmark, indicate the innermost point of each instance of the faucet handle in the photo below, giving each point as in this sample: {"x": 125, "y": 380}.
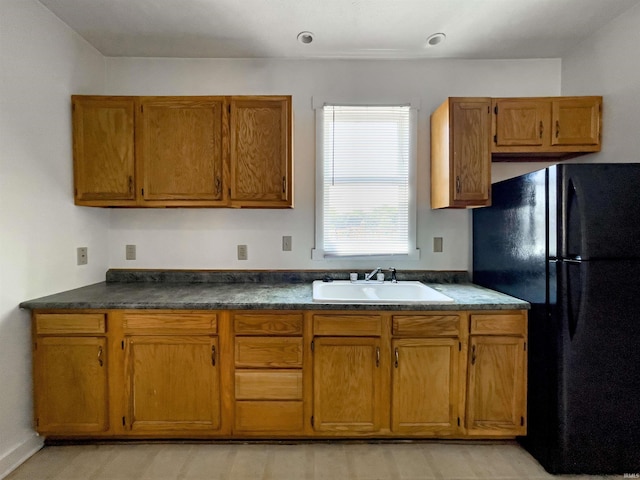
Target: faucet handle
{"x": 393, "y": 271}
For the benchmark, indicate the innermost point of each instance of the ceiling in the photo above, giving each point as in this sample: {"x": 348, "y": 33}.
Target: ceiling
{"x": 477, "y": 29}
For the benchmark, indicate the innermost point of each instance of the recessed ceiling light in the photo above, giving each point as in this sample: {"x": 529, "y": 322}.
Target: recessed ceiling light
{"x": 305, "y": 37}
{"x": 435, "y": 39}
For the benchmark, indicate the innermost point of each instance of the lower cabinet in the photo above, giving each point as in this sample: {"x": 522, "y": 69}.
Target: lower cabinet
{"x": 172, "y": 384}
{"x": 425, "y": 386}
{"x": 497, "y": 392}
{"x": 71, "y": 385}
{"x": 346, "y": 384}
{"x": 280, "y": 374}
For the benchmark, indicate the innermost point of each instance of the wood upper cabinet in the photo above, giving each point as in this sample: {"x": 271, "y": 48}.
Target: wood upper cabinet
{"x": 496, "y": 391}
{"x": 260, "y": 160}
{"x": 103, "y": 150}
{"x": 556, "y": 127}
{"x": 181, "y": 150}
{"x": 203, "y": 151}
{"x": 172, "y": 384}
{"x": 460, "y": 153}
{"x": 425, "y": 386}
{"x": 347, "y": 382}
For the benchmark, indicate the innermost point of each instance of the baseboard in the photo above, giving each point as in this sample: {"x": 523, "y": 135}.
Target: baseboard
{"x": 16, "y": 457}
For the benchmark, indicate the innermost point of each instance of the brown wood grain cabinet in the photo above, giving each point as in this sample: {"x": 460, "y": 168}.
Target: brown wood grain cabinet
{"x": 461, "y": 153}
{"x": 70, "y": 374}
{"x": 496, "y": 393}
{"x": 279, "y": 374}
{"x": 545, "y": 127}
{"x": 200, "y": 151}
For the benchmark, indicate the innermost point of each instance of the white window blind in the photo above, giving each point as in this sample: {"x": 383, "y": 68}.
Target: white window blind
{"x": 366, "y": 153}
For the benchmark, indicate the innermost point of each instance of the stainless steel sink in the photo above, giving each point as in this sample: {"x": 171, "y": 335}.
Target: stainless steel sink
{"x": 344, "y": 291}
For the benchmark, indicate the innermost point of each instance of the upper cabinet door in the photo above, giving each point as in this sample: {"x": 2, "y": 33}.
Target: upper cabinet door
{"x": 520, "y": 121}
{"x": 471, "y": 178}
{"x": 181, "y": 149}
{"x": 576, "y": 121}
{"x": 103, "y": 150}
{"x": 260, "y": 157}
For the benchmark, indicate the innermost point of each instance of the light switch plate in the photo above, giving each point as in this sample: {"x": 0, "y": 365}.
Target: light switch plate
{"x": 437, "y": 244}
{"x": 286, "y": 243}
{"x": 243, "y": 253}
{"x": 130, "y": 252}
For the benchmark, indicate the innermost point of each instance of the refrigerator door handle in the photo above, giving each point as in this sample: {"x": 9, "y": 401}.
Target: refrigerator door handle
{"x": 573, "y": 289}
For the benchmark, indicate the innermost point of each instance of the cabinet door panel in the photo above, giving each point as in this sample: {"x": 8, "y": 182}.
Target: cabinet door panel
{"x": 576, "y": 121}
{"x": 173, "y": 383}
{"x": 346, "y": 384}
{"x": 261, "y": 151}
{"x": 471, "y": 178}
{"x": 103, "y": 148}
{"x": 496, "y": 394}
{"x": 181, "y": 147}
{"x": 71, "y": 385}
{"x": 425, "y": 386}
{"x": 521, "y": 122}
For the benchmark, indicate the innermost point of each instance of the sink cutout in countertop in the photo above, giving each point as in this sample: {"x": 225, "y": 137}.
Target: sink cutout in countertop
{"x": 345, "y": 291}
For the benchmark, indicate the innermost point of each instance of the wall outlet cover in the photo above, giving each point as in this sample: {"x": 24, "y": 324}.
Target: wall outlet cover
{"x": 130, "y": 252}
{"x": 82, "y": 255}
{"x": 243, "y": 253}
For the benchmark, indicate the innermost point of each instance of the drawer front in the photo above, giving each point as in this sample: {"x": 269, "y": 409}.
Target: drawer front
{"x": 426, "y": 325}
{"x": 159, "y": 323}
{"x": 496, "y": 324}
{"x": 70, "y": 323}
{"x": 268, "y": 384}
{"x": 276, "y": 352}
{"x": 268, "y": 417}
{"x": 347, "y": 325}
{"x": 267, "y": 324}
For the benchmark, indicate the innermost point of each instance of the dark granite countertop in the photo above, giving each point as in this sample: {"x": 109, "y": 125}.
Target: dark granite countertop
{"x": 259, "y": 290}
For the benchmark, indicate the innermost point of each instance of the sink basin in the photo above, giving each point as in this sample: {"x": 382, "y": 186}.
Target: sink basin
{"x": 344, "y": 291}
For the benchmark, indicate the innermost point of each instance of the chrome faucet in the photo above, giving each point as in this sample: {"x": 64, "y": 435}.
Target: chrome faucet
{"x": 372, "y": 274}
{"x": 394, "y": 279}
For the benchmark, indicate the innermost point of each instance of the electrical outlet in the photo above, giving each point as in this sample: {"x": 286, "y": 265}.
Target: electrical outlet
{"x": 83, "y": 255}
{"x": 130, "y": 252}
{"x": 243, "y": 253}
{"x": 286, "y": 243}
{"x": 437, "y": 244}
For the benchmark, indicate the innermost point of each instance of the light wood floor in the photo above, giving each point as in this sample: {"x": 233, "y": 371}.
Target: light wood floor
{"x": 307, "y": 461}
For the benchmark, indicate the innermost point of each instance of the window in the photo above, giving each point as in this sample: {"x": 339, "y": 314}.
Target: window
{"x": 365, "y": 201}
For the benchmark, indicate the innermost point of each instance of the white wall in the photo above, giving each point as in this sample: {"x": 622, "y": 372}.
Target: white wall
{"x": 608, "y": 64}
{"x": 41, "y": 63}
{"x": 207, "y": 238}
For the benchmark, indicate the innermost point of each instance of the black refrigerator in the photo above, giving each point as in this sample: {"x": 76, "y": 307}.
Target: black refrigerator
{"x": 567, "y": 240}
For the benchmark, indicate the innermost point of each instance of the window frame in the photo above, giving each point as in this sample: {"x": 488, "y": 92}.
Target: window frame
{"x": 318, "y": 253}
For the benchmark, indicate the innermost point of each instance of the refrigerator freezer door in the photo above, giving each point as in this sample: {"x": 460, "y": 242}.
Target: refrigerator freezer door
{"x": 600, "y": 210}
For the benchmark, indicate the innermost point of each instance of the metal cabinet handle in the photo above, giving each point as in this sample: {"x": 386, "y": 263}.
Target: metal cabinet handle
{"x": 100, "y": 361}
{"x": 541, "y": 128}
{"x": 213, "y": 355}
{"x": 218, "y": 185}
{"x": 473, "y": 355}
{"x": 130, "y": 184}
{"x": 397, "y": 357}
{"x": 284, "y": 184}
{"x": 557, "y": 128}
{"x": 377, "y": 356}
{"x": 458, "y": 184}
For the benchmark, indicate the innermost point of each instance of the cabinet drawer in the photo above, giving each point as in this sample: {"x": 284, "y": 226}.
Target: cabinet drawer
{"x": 267, "y": 324}
{"x": 268, "y": 416}
{"x": 69, "y": 323}
{"x": 347, "y": 325}
{"x": 496, "y": 324}
{"x": 275, "y": 352}
{"x": 426, "y": 325}
{"x": 160, "y": 323}
{"x": 268, "y": 384}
